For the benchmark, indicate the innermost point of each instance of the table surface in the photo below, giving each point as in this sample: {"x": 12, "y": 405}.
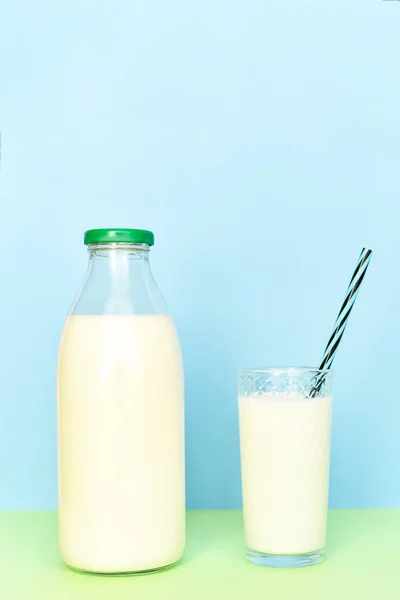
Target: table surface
{"x": 362, "y": 562}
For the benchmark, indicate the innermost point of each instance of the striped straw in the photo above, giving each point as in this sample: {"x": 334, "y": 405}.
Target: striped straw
{"x": 343, "y": 316}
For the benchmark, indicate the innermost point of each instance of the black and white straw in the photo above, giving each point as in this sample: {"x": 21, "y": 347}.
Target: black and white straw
{"x": 343, "y": 316}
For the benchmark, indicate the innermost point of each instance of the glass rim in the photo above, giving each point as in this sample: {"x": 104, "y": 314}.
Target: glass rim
{"x": 280, "y": 370}
{"x": 119, "y": 246}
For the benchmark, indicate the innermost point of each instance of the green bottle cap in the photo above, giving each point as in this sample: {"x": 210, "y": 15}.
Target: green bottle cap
{"x": 109, "y": 236}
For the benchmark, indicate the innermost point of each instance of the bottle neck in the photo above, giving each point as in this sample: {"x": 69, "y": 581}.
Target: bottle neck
{"x": 119, "y": 281}
{"x": 122, "y": 258}
{"x": 119, "y": 251}
{"x": 120, "y": 265}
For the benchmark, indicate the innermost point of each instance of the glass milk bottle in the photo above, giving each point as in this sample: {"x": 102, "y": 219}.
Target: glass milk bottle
{"x": 120, "y": 415}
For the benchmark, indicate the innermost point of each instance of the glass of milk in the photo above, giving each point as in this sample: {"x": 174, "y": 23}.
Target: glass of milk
{"x": 120, "y": 415}
{"x": 285, "y": 431}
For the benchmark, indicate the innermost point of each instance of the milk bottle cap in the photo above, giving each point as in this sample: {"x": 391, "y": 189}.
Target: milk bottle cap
{"x": 109, "y": 236}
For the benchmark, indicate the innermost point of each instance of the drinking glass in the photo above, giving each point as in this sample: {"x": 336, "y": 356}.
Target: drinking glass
{"x": 285, "y": 430}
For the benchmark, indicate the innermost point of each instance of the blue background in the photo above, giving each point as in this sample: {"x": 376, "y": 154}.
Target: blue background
{"x": 260, "y": 141}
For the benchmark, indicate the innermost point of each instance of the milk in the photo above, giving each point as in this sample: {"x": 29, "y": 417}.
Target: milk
{"x": 121, "y": 443}
{"x": 285, "y": 448}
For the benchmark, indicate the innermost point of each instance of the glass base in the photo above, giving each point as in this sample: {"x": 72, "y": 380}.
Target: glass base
{"x": 122, "y": 573}
{"x": 285, "y": 561}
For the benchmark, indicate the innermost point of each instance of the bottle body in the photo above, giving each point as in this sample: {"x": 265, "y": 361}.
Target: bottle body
{"x": 121, "y": 433}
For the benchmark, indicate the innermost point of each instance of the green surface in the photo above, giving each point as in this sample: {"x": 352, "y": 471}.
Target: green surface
{"x": 363, "y": 563}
